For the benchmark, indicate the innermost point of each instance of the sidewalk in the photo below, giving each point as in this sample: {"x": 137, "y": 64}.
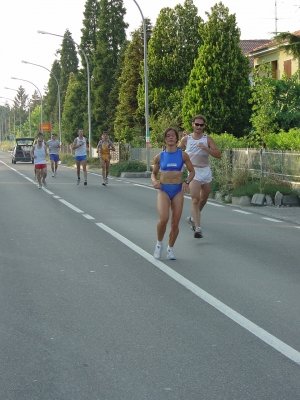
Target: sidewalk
{"x": 288, "y": 214}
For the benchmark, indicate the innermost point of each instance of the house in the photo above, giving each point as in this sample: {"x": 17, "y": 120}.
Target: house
{"x": 281, "y": 61}
{"x": 248, "y": 45}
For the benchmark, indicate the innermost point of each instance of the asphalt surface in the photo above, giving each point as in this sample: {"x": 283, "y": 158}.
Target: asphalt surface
{"x": 289, "y": 214}
{"x": 87, "y": 313}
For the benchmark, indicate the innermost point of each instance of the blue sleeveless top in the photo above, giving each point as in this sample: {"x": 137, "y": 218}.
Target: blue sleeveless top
{"x": 171, "y": 161}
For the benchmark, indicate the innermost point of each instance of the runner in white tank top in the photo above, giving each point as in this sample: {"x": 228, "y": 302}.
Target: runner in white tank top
{"x": 79, "y": 145}
{"x": 199, "y": 147}
{"x": 38, "y": 154}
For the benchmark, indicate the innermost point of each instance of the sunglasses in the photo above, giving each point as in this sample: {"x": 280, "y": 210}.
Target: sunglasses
{"x": 196, "y": 123}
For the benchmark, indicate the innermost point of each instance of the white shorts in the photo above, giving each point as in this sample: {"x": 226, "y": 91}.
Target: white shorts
{"x": 203, "y": 175}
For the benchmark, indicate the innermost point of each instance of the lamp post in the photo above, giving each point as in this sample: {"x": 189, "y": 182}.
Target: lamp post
{"x": 58, "y": 94}
{"x": 15, "y": 90}
{"x": 24, "y": 80}
{"x": 146, "y": 90}
{"x": 14, "y": 114}
{"x": 88, "y": 84}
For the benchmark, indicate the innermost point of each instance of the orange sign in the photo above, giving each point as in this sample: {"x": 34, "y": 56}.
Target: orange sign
{"x": 46, "y": 126}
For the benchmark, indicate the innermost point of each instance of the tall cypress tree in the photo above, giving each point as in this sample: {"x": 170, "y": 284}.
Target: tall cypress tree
{"x": 89, "y": 31}
{"x": 110, "y": 37}
{"x": 219, "y": 86}
{"x": 51, "y": 99}
{"x": 68, "y": 62}
{"x": 172, "y": 49}
{"x": 74, "y": 113}
{"x": 126, "y": 113}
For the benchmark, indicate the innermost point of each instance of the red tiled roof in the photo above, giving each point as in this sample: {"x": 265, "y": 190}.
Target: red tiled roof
{"x": 249, "y": 45}
{"x": 269, "y": 44}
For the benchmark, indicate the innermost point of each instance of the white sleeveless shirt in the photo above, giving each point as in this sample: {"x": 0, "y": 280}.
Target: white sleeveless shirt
{"x": 80, "y": 151}
{"x": 198, "y": 157}
{"x": 40, "y": 157}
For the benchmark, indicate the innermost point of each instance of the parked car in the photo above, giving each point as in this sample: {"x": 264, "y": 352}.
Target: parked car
{"x": 21, "y": 150}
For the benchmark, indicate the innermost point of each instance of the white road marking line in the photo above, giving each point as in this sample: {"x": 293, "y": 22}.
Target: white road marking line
{"x": 87, "y": 216}
{"x": 271, "y": 219}
{"x": 262, "y": 334}
{"x": 215, "y": 204}
{"x": 144, "y": 186}
{"x": 56, "y": 197}
{"x": 71, "y": 206}
{"x": 242, "y": 212}
{"x": 47, "y": 190}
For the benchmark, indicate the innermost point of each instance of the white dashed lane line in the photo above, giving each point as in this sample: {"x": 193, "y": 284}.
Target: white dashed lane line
{"x": 271, "y": 219}
{"x": 71, "y": 206}
{"x": 87, "y": 216}
{"x": 239, "y": 319}
{"x": 242, "y": 212}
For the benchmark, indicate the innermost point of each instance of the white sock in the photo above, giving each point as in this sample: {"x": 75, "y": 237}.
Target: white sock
{"x": 159, "y": 243}
{"x": 169, "y": 248}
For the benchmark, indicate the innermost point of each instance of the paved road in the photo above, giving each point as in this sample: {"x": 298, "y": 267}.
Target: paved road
{"x": 87, "y": 313}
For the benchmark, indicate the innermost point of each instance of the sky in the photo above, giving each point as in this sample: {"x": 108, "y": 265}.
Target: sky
{"x": 20, "y": 20}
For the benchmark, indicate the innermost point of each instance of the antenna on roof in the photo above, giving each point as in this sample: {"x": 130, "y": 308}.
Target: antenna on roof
{"x": 276, "y": 18}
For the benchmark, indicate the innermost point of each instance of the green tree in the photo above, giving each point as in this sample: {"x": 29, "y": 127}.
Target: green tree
{"x": 110, "y": 37}
{"x": 35, "y": 120}
{"x": 113, "y": 98}
{"x": 89, "y": 44}
{"x": 68, "y": 63}
{"x": 219, "y": 86}
{"x": 263, "y": 117}
{"x": 287, "y": 102}
{"x": 20, "y": 106}
{"x": 74, "y": 112}
{"x": 126, "y": 124}
{"x": 89, "y": 31}
{"x": 50, "y": 110}
{"x": 172, "y": 49}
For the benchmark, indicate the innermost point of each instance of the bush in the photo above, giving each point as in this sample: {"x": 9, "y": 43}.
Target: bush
{"x": 264, "y": 185}
{"x": 127, "y": 166}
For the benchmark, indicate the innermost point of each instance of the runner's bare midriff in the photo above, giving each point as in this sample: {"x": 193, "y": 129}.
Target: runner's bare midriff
{"x": 171, "y": 177}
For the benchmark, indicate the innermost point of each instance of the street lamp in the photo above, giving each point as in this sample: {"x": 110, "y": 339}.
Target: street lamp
{"x": 146, "y": 90}
{"x": 14, "y": 114}
{"x": 58, "y": 94}
{"x": 88, "y": 84}
{"x": 24, "y": 80}
{"x": 15, "y": 90}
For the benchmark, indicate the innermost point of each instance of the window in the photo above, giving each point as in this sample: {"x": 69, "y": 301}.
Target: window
{"x": 275, "y": 69}
{"x": 287, "y": 66}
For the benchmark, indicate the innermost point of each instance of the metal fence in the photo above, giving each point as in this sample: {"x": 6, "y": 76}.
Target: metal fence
{"x": 284, "y": 164}
{"x": 115, "y": 155}
{"x": 140, "y": 154}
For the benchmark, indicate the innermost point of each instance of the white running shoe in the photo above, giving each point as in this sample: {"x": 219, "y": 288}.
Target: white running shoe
{"x": 53, "y": 175}
{"x": 106, "y": 181}
{"x": 191, "y": 222}
{"x": 198, "y": 234}
{"x": 39, "y": 186}
{"x": 44, "y": 183}
{"x": 78, "y": 181}
{"x": 170, "y": 254}
{"x": 157, "y": 251}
